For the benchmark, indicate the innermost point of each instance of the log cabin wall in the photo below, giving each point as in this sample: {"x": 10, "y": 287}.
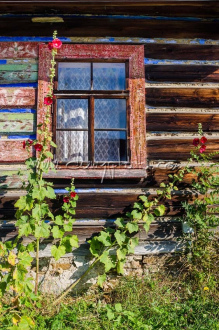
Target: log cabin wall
{"x": 181, "y": 40}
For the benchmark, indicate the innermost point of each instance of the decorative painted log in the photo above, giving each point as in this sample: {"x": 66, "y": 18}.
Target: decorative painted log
{"x": 18, "y": 50}
{"x": 12, "y": 151}
{"x": 17, "y": 122}
{"x": 17, "y": 97}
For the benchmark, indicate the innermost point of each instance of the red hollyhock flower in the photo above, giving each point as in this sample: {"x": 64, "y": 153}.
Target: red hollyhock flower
{"x": 57, "y": 43}
{"x": 24, "y": 144}
{"x": 38, "y": 147}
{"x": 30, "y": 142}
{"x": 203, "y": 140}
{"x": 73, "y": 194}
{"x": 66, "y": 199}
{"x": 48, "y": 100}
{"x": 195, "y": 142}
{"x": 50, "y": 45}
{"x": 202, "y": 149}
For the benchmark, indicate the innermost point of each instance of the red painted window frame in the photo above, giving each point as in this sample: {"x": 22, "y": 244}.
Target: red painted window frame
{"x": 134, "y": 54}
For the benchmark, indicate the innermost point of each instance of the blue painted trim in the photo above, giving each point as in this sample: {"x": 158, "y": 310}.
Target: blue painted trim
{"x": 34, "y": 85}
{"x": 90, "y": 190}
{"x": 152, "y": 61}
{"x": 133, "y": 17}
{"x": 15, "y": 137}
{"x": 17, "y": 111}
{"x": 33, "y": 39}
{"x": 2, "y": 62}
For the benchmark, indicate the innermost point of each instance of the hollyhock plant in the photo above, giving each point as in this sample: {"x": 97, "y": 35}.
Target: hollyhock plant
{"x": 73, "y": 194}
{"x": 48, "y": 100}
{"x": 38, "y": 147}
{"x": 203, "y": 140}
{"x": 195, "y": 142}
{"x": 50, "y": 45}
{"x": 202, "y": 149}
{"x": 66, "y": 199}
{"x": 57, "y": 43}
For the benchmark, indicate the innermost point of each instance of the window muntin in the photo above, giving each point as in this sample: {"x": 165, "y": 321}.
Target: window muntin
{"x": 97, "y": 122}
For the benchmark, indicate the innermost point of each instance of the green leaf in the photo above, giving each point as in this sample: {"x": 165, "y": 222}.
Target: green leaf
{"x": 136, "y": 214}
{"x": 160, "y": 210}
{"x": 132, "y": 243}
{"x": 68, "y": 227}
{"x": 162, "y": 185}
{"x": 110, "y": 315}
{"x": 120, "y": 222}
{"x": 138, "y": 206}
{"x": 58, "y": 252}
{"x": 118, "y": 308}
{"x": 24, "y": 230}
{"x": 42, "y": 231}
{"x": 120, "y": 237}
{"x": 74, "y": 241}
{"x": 143, "y": 198}
{"x": 104, "y": 238}
{"x": 132, "y": 227}
{"x": 107, "y": 261}
{"x": 50, "y": 193}
{"x": 53, "y": 144}
{"x": 48, "y": 154}
{"x": 146, "y": 227}
{"x": 59, "y": 220}
{"x": 101, "y": 279}
{"x": 121, "y": 253}
{"x": 57, "y": 233}
{"x": 21, "y": 203}
{"x": 119, "y": 267}
{"x": 25, "y": 259}
{"x": 95, "y": 246}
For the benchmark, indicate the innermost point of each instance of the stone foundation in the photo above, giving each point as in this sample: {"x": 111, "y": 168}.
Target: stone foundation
{"x": 56, "y": 276}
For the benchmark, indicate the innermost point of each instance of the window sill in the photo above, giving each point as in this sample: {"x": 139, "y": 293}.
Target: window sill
{"x": 104, "y": 173}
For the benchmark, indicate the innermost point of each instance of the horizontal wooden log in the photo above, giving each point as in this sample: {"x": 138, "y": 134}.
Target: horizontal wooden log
{"x": 157, "y": 231}
{"x": 182, "y": 52}
{"x": 18, "y": 50}
{"x": 17, "y": 122}
{"x": 181, "y": 122}
{"x": 12, "y": 151}
{"x": 183, "y": 97}
{"x": 90, "y": 26}
{"x": 161, "y": 8}
{"x": 175, "y": 148}
{"x": 17, "y": 97}
{"x": 182, "y": 73}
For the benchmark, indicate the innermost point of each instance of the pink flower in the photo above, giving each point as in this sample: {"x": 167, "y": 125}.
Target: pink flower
{"x": 73, "y": 194}
{"x": 195, "y": 142}
{"x": 38, "y": 147}
{"x": 30, "y": 142}
{"x": 24, "y": 144}
{"x": 50, "y": 45}
{"x": 203, "y": 140}
{"x": 202, "y": 149}
{"x": 48, "y": 100}
{"x": 66, "y": 199}
{"x": 57, "y": 43}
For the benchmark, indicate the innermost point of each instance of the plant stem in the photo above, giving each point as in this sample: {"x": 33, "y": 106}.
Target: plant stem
{"x": 37, "y": 264}
{"x": 76, "y": 282}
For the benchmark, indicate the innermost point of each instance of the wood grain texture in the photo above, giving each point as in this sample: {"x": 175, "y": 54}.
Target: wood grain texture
{"x": 12, "y": 151}
{"x": 17, "y": 97}
{"x": 175, "y": 148}
{"x": 17, "y": 122}
{"x": 182, "y": 73}
{"x": 181, "y": 122}
{"x": 183, "y": 97}
{"x": 90, "y": 27}
{"x": 182, "y": 52}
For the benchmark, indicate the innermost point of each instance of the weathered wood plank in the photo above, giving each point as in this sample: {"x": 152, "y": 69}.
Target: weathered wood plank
{"x": 18, "y": 50}
{"x": 181, "y": 122}
{"x": 12, "y": 151}
{"x": 157, "y": 231}
{"x": 18, "y": 71}
{"x": 17, "y": 122}
{"x": 90, "y": 26}
{"x": 182, "y": 73}
{"x": 182, "y": 97}
{"x": 175, "y": 148}
{"x": 17, "y": 97}
{"x": 182, "y": 52}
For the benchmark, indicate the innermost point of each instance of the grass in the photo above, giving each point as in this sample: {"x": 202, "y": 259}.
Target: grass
{"x": 161, "y": 302}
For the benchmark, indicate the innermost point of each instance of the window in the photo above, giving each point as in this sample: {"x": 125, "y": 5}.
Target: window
{"x": 99, "y": 108}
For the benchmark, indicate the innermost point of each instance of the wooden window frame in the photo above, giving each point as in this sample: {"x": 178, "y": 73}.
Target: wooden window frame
{"x": 134, "y": 55}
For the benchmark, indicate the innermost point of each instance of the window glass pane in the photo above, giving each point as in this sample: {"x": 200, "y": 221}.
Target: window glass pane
{"x": 74, "y": 76}
{"x": 109, "y": 76}
{"x": 72, "y": 113}
{"x": 110, "y": 113}
{"x": 110, "y": 146}
{"x": 72, "y": 146}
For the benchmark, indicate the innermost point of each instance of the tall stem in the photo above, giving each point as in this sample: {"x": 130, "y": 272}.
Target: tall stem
{"x": 37, "y": 264}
